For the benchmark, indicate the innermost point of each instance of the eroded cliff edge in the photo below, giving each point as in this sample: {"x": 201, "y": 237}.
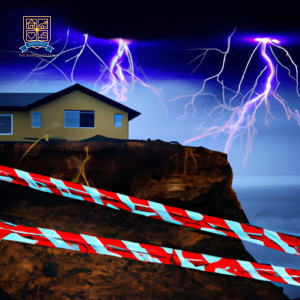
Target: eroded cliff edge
{"x": 192, "y": 178}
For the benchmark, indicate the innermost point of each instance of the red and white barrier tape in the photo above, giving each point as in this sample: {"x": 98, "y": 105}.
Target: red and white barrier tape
{"x": 147, "y": 253}
{"x": 264, "y": 237}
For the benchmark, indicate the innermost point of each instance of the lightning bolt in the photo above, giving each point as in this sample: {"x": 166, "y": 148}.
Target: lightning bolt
{"x": 242, "y": 117}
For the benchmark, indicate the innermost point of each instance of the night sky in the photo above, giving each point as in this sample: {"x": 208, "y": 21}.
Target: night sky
{"x": 159, "y": 36}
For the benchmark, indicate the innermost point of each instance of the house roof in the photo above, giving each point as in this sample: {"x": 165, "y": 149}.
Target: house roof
{"x": 20, "y": 99}
{"x": 28, "y": 101}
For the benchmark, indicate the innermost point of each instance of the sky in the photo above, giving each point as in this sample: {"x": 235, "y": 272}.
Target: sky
{"x": 159, "y": 38}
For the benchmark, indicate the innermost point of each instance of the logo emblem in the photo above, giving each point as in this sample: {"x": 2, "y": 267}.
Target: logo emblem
{"x": 36, "y": 32}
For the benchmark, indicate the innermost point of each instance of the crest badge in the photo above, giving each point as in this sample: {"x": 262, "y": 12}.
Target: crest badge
{"x": 36, "y": 32}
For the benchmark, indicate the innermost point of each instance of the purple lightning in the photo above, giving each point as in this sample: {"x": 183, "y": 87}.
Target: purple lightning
{"x": 242, "y": 113}
{"x": 117, "y": 77}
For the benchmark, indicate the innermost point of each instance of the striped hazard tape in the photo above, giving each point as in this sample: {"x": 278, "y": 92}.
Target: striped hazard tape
{"x": 147, "y": 253}
{"x": 264, "y": 237}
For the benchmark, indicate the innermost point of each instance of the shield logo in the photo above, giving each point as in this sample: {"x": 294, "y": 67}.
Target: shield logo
{"x": 37, "y": 28}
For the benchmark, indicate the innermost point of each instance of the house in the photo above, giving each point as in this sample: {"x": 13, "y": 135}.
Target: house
{"x": 75, "y": 113}
{"x": 30, "y": 24}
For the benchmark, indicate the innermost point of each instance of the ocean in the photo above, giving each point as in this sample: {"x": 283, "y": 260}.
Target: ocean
{"x": 272, "y": 202}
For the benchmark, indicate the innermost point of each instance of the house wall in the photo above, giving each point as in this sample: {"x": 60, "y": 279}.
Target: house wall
{"x": 53, "y": 120}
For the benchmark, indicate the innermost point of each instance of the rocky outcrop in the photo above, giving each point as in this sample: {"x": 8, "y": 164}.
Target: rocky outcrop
{"x": 187, "y": 177}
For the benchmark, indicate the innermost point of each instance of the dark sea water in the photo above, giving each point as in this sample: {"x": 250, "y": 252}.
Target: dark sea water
{"x": 272, "y": 203}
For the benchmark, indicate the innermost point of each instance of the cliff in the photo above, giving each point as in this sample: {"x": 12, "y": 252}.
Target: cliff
{"x": 192, "y": 178}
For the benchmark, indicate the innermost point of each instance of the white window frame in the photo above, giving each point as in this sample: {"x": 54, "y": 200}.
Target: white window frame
{"x": 12, "y": 130}
{"x": 35, "y": 112}
{"x": 79, "y": 120}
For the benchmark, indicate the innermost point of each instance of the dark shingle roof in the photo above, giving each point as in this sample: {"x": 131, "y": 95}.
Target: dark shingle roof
{"x": 20, "y": 99}
{"x": 28, "y": 101}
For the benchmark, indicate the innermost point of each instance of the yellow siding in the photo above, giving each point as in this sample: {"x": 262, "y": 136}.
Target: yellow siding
{"x": 53, "y": 120}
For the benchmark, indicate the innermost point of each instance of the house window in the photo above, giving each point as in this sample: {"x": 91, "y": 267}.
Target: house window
{"x": 79, "y": 119}
{"x": 6, "y": 124}
{"x": 118, "y": 120}
{"x": 36, "y": 119}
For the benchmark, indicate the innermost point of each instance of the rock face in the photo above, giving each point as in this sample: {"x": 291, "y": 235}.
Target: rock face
{"x": 187, "y": 177}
